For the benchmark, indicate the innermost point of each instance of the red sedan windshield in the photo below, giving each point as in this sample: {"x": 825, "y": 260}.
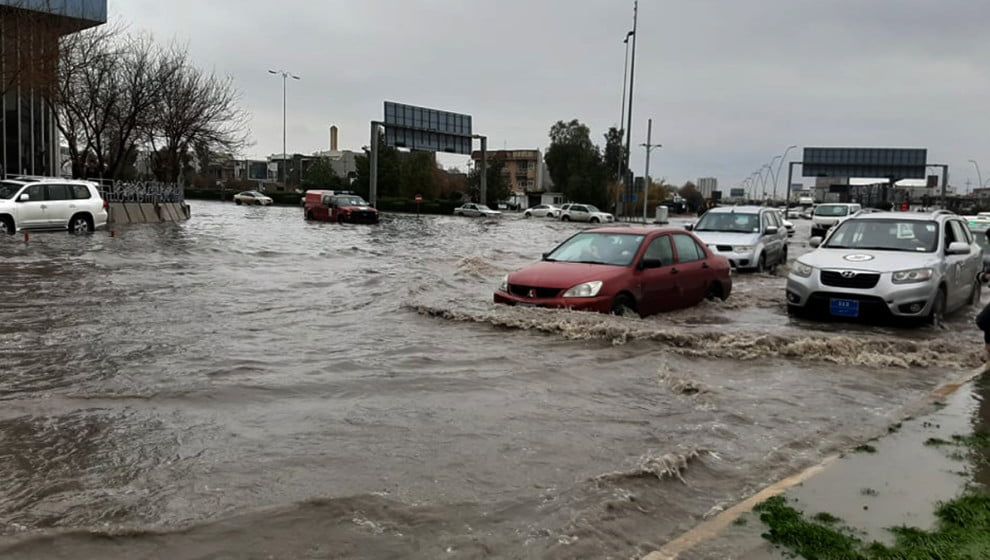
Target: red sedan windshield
{"x": 616, "y": 249}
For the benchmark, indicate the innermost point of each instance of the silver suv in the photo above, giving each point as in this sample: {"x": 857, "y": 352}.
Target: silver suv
{"x": 751, "y": 237}
{"x": 50, "y": 203}
{"x": 889, "y": 263}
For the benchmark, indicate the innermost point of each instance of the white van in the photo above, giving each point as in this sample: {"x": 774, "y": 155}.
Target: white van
{"x": 827, "y": 215}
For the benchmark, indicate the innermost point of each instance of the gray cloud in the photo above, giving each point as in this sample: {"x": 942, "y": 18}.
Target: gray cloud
{"x": 728, "y": 83}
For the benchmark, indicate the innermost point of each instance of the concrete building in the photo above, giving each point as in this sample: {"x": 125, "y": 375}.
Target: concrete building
{"x": 524, "y": 169}
{"x": 29, "y": 35}
{"x": 707, "y": 185}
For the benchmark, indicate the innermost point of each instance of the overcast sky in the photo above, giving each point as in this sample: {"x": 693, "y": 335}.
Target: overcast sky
{"x": 728, "y": 83}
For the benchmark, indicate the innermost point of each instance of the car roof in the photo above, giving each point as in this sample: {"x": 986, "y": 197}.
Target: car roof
{"x": 636, "y": 230}
{"x": 902, "y": 216}
{"x": 26, "y": 180}
{"x": 739, "y": 209}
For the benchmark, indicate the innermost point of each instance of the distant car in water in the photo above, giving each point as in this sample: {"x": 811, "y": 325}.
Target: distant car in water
{"x": 584, "y": 213}
{"x": 907, "y": 265}
{"x": 338, "y": 207}
{"x": 979, "y": 225}
{"x": 827, "y": 215}
{"x": 617, "y": 270}
{"x": 542, "y": 211}
{"x": 472, "y": 210}
{"x": 751, "y": 237}
{"x": 49, "y": 203}
{"x": 253, "y": 198}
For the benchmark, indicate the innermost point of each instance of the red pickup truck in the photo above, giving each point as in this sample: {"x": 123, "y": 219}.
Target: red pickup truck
{"x": 339, "y": 207}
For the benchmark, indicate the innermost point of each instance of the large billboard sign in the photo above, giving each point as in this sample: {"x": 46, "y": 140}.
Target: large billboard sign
{"x": 896, "y": 163}
{"x": 419, "y": 128}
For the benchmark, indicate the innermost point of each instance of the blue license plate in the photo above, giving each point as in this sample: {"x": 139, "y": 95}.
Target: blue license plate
{"x": 844, "y": 307}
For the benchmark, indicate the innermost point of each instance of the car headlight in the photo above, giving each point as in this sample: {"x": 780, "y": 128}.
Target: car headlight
{"x": 742, "y": 249}
{"x": 504, "y": 286}
{"x": 586, "y": 290}
{"x": 801, "y": 269}
{"x": 913, "y": 276}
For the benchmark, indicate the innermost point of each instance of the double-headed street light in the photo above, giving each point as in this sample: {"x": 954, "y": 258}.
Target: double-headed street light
{"x": 780, "y": 165}
{"x": 285, "y": 76}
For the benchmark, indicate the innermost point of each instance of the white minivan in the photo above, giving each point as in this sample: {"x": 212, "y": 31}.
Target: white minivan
{"x": 51, "y": 204}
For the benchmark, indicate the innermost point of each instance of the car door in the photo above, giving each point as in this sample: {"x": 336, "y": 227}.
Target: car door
{"x": 60, "y": 205}
{"x": 31, "y": 213}
{"x": 954, "y": 265}
{"x": 579, "y": 213}
{"x": 692, "y": 271}
{"x": 969, "y": 265}
{"x": 657, "y": 283}
{"x": 773, "y": 241}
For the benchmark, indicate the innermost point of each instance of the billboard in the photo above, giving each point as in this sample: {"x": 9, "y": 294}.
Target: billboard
{"x": 420, "y": 128}
{"x": 737, "y": 193}
{"x": 895, "y": 163}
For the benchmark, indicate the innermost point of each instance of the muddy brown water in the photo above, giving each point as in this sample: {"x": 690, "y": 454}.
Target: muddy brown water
{"x": 248, "y": 385}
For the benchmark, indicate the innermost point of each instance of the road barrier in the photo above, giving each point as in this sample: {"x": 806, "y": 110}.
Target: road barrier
{"x": 148, "y": 212}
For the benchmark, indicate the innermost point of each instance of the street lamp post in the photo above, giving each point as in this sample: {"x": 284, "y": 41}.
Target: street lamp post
{"x": 632, "y": 81}
{"x": 622, "y": 116}
{"x": 780, "y": 165}
{"x": 773, "y": 177}
{"x": 285, "y": 76}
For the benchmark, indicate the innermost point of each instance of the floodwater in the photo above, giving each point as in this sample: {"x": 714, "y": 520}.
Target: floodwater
{"x": 248, "y": 385}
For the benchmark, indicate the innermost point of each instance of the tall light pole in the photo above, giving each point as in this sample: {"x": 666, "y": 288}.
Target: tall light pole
{"x": 632, "y": 80}
{"x": 622, "y": 117}
{"x": 285, "y": 156}
{"x": 777, "y": 176}
{"x": 772, "y": 176}
{"x": 979, "y": 176}
{"x": 646, "y": 175}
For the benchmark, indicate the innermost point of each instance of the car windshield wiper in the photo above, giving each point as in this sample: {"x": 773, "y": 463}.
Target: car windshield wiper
{"x": 587, "y": 262}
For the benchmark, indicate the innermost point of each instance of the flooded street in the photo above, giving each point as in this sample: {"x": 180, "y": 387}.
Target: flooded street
{"x": 249, "y": 385}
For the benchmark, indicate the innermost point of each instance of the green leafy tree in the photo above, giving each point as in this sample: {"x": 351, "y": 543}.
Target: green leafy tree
{"x": 614, "y": 156}
{"x": 416, "y": 175}
{"x": 388, "y": 170}
{"x": 497, "y": 187}
{"x": 321, "y": 175}
{"x": 576, "y": 165}
{"x": 692, "y": 196}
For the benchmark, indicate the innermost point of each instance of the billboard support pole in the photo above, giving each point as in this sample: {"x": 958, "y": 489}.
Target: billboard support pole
{"x": 373, "y": 165}
{"x": 484, "y": 170}
{"x": 790, "y": 175}
{"x": 945, "y": 183}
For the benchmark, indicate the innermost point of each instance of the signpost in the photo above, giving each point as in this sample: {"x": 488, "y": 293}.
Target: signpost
{"x": 419, "y": 200}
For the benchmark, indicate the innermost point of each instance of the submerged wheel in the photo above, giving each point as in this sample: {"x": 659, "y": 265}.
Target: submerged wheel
{"x": 623, "y": 305}
{"x": 937, "y": 315}
{"x": 80, "y": 223}
{"x": 7, "y": 226}
{"x": 761, "y": 265}
{"x": 974, "y": 296}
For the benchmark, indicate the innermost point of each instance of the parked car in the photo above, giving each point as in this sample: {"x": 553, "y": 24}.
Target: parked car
{"x": 979, "y": 227}
{"x": 615, "y": 270}
{"x": 338, "y": 207}
{"x": 472, "y": 210}
{"x": 788, "y": 225}
{"x": 542, "y": 211}
{"x": 42, "y": 203}
{"x": 828, "y": 215}
{"x": 908, "y": 265}
{"x": 253, "y": 198}
{"x": 584, "y": 213}
{"x": 793, "y": 213}
{"x": 751, "y": 237}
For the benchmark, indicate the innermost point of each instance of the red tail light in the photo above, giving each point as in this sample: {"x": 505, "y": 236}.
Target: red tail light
{"x": 106, "y": 204}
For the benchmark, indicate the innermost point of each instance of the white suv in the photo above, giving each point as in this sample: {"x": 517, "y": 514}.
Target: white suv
{"x": 50, "y": 203}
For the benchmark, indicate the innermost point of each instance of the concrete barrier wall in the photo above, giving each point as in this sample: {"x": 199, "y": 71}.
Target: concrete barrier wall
{"x": 148, "y": 213}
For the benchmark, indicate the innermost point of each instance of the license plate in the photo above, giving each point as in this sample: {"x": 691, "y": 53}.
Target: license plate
{"x": 844, "y": 307}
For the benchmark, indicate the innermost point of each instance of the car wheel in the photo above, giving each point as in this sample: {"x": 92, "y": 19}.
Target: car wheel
{"x": 623, "y": 306}
{"x": 527, "y": 215}
{"x": 80, "y": 224}
{"x": 974, "y": 296}
{"x": 566, "y": 219}
{"x": 715, "y": 292}
{"x": 595, "y": 221}
{"x": 761, "y": 265}
{"x": 7, "y": 226}
{"x": 937, "y": 315}
{"x": 309, "y": 216}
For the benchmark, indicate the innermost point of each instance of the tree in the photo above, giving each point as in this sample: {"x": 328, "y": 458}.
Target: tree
{"x": 614, "y": 156}
{"x": 416, "y": 175}
{"x": 388, "y": 170}
{"x": 575, "y": 164}
{"x": 497, "y": 184}
{"x": 689, "y": 192}
{"x": 321, "y": 175}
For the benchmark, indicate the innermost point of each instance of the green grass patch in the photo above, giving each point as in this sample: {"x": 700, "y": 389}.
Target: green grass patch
{"x": 962, "y": 532}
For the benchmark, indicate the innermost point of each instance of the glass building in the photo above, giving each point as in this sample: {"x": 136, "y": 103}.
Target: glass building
{"x": 29, "y": 35}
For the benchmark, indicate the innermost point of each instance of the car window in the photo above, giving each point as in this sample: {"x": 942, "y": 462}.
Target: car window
{"x": 59, "y": 192}
{"x": 578, "y": 209}
{"x": 687, "y": 249}
{"x": 661, "y": 250}
{"x": 81, "y": 192}
{"x": 767, "y": 220}
{"x": 959, "y": 232}
{"x": 36, "y": 192}
{"x": 950, "y": 235}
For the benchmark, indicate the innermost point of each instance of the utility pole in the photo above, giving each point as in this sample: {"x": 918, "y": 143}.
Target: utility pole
{"x": 373, "y": 165}
{"x": 632, "y": 80}
{"x": 646, "y": 176}
{"x": 483, "y": 196}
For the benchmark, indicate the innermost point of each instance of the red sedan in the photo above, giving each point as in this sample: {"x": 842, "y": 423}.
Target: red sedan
{"x": 611, "y": 270}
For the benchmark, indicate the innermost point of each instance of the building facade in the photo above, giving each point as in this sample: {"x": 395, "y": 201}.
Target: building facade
{"x": 707, "y": 186}
{"x": 524, "y": 169}
{"x": 29, "y": 35}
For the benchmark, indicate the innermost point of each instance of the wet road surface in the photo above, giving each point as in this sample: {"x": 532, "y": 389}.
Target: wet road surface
{"x": 248, "y": 385}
